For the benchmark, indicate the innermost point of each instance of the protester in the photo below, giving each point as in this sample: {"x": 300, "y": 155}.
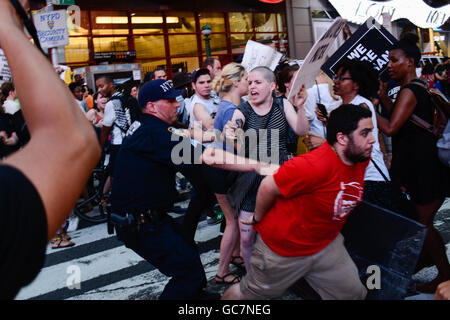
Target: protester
{"x": 202, "y": 109}
{"x": 440, "y": 73}
{"x": 231, "y": 85}
{"x": 320, "y": 93}
{"x": 213, "y": 65}
{"x": 300, "y": 212}
{"x": 96, "y": 114}
{"x": 77, "y": 90}
{"x": 38, "y": 190}
{"x": 159, "y": 73}
{"x": 115, "y": 122}
{"x": 284, "y": 78}
{"x": 415, "y": 163}
{"x": 268, "y": 118}
{"x": 8, "y": 97}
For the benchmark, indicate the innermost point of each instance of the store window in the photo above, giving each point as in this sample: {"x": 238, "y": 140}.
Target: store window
{"x": 217, "y": 43}
{"x": 147, "y": 22}
{"x": 77, "y": 50}
{"x": 180, "y": 22}
{"x": 215, "y": 20}
{"x": 187, "y": 64}
{"x": 149, "y": 46}
{"x": 107, "y": 44}
{"x": 80, "y": 27}
{"x": 266, "y": 38}
{"x": 281, "y": 22}
{"x": 151, "y": 64}
{"x": 109, "y": 22}
{"x": 241, "y": 22}
{"x": 183, "y": 45}
{"x": 239, "y": 41}
{"x": 265, "y": 22}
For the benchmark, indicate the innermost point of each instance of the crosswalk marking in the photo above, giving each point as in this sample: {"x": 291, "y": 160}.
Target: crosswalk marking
{"x": 95, "y": 264}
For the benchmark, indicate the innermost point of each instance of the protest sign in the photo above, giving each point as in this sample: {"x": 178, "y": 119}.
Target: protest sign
{"x": 371, "y": 42}
{"x": 307, "y": 73}
{"x": 52, "y": 28}
{"x": 5, "y": 72}
{"x": 257, "y": 54}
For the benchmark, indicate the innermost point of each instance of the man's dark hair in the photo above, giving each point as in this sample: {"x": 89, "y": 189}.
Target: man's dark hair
{"x": 208, "y": 62}
{"x": 198, "y": 73}
{"x": 107, "y": 78}
{"x": 148, "y": 76}
{"x": 74, "y": 85}
{"x": 363, "y": 73}
{"x": 284, "y": 75}
{"x": 345, "y": 119}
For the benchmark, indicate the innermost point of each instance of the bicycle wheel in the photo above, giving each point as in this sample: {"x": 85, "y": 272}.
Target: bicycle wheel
{"x": 91, "y": 209}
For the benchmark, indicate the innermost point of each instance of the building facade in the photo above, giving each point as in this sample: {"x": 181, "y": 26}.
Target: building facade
{"x": 168, "y": 33}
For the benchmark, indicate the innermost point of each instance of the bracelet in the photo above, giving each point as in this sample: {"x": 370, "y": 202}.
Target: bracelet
{"x": 254, "y": 221}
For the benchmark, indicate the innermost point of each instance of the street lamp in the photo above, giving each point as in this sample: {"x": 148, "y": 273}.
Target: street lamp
{"x": 206, "y": 31}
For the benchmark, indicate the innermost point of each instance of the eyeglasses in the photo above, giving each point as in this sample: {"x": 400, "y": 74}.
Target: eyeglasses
{"x": 28, "y": 23}
{"x": 336, "y": 78}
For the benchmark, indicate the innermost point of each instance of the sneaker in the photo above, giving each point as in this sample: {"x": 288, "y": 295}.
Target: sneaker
{"x": 216, "y": 218}
{"x": 73, "y": 223}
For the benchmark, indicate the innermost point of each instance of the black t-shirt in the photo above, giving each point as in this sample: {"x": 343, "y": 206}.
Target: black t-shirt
{"x": 23, "y": 230}
{"x": 150, "y": 155}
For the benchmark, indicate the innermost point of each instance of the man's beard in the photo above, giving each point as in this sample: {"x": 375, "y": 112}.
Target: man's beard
{"x": 353, "y": 153}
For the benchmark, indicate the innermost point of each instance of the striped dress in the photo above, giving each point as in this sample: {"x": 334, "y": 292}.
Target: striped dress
{"x": 274, "y": 139}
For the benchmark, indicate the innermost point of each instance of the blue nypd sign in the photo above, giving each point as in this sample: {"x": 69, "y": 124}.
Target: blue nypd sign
{"x": 52, "y": 28}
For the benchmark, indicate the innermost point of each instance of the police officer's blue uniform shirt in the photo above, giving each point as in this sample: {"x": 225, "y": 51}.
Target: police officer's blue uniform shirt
{"x": 145, "y": 170}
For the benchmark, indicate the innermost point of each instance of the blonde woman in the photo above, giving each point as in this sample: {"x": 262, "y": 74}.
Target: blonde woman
{"x": 231, "y": 85}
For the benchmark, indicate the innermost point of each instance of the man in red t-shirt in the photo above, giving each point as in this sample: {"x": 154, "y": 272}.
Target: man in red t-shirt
{"x": 300, "y": 212}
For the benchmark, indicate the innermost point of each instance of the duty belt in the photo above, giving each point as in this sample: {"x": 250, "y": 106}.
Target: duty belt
{"x": 136, "y": 218}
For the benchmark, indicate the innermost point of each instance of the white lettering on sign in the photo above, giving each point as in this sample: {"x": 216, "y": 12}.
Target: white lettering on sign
{"x": 416, "y": 11}
{"x": 364, "y": 54}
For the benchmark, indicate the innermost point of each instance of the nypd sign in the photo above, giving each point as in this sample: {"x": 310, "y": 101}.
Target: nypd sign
{"x": 52, "y": 28}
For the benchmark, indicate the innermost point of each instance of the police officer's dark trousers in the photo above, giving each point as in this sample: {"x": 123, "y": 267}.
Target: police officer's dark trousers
{"x": 162, "y": 245}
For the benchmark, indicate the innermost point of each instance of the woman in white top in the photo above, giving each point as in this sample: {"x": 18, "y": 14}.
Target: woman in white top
{"x": 321, "y": 92}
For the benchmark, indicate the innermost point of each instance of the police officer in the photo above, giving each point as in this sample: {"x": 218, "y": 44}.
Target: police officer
{"x": 144, "y": 191}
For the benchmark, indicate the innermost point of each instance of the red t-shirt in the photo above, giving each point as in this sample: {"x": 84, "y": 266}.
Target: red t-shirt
{"x": 319, "y": 191}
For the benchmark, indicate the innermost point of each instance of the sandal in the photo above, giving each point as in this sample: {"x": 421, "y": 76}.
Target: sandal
{"x": 236, "y": 279}
{"x": 61, "y": 243}
{"x": 238, "y": 264}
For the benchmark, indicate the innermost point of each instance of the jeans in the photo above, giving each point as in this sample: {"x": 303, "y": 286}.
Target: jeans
{"x": 163, "y": 246}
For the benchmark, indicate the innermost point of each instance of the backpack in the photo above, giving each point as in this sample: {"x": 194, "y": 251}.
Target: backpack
{"x": 440, "y": 127}
{"x": 440, "y": 107}
{"x": 127, "y": 113}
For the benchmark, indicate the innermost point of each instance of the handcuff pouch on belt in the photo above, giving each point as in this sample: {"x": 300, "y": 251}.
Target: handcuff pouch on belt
{"x": 135, "y": 219}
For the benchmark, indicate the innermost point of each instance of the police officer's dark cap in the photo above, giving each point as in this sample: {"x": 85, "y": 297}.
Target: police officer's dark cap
{"x": 157, "y": 90}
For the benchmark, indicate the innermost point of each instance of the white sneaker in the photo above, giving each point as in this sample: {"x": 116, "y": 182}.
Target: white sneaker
{"x": 73, "y": 223}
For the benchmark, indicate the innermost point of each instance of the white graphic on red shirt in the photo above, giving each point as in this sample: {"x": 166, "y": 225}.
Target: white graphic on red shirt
{"x": 347, "y": 199}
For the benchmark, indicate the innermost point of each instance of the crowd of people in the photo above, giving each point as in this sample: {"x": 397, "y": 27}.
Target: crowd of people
{"x": 285, "y": 173}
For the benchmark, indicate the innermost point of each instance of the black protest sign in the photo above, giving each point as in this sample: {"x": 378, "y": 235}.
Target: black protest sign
{"x": 371, "y": 42}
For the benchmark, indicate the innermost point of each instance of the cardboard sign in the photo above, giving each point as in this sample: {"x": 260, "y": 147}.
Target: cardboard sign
{"x": 316, "y": 57}
{"x": 371, "y": 42}
{"x": 52, "y": 28}
{"x": 257, "y": 54}
{"x": 5, "y": 72}
{"x": 417, "y": 11}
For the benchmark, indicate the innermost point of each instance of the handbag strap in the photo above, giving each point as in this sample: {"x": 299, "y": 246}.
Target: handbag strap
{"x": 379, "y": 170}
